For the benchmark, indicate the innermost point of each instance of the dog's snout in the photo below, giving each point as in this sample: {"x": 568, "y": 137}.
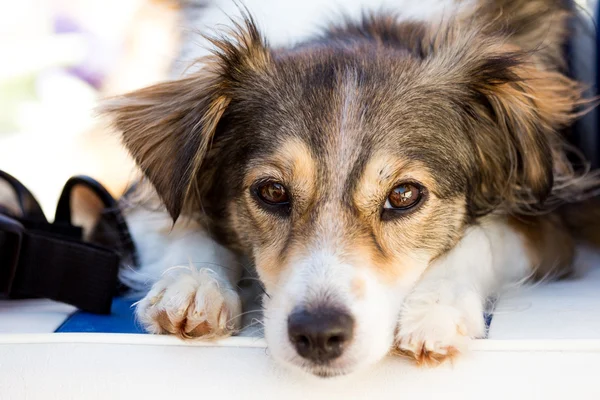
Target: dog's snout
{"x": 320, "y": 335}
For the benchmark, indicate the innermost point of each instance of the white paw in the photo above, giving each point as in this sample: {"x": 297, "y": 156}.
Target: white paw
{"x": 190, "y": 303}
{"x": 435, "y": 327}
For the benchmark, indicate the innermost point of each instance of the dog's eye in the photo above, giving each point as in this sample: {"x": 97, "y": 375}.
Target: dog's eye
{"x": 272, "y": 193}
{"x": 404, "y": 197}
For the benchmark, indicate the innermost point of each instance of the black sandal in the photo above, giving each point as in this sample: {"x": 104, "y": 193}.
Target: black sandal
{"x": 51, "y": 260}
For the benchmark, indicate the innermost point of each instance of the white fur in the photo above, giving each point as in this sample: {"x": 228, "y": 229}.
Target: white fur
{"x": 439, "y": 307}
{"x": 189, "y": 298}
{"x": 191, "y": 275}
{"x": 322, "y": 278}
{"x": 162, "y": 245}
{"x": 446, "y": 307}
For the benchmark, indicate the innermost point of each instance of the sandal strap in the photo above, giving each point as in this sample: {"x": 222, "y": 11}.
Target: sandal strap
{"x": 111, "y": 214}
{"x": 27, "y": 202}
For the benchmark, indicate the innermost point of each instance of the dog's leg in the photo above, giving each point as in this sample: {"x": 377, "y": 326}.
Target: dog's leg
{"x": 194, "y": 279}
{"x": 446, "y": 307}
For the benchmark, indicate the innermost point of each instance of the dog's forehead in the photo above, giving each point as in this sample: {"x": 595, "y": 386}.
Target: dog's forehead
{"x": 346, "y": 109}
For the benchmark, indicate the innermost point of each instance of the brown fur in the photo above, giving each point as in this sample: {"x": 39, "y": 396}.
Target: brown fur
{"x": 180, "y": 117}
{"x": 358, "y": 287}
{"x": 472, "y": 110}
{"x": 582, "y": 221}
{"x": 430, "y": 359}
{"x": 550, "y": 245}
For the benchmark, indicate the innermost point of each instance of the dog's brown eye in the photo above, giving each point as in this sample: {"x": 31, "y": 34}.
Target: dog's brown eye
{"x": 272, "y": 193}
{"x": 403, "y": 197}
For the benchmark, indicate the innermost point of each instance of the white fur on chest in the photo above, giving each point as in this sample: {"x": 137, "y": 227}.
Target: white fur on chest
{"x": 162, "y": 245}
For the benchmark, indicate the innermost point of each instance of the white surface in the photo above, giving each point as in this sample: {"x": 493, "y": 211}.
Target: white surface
{"x": 142, "y": 367}
{"x": 545, "y": 344}
{"x": 559, "y": 310}
{"x": 32, "y": 316}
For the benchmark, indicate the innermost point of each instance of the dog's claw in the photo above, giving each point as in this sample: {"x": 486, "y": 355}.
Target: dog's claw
{"x": 190, "y": 304}
{"x": 434, "y": 332}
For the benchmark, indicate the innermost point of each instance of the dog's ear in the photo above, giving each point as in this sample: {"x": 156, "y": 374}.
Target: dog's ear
{"x": 508, "y": 55}
{"x": 518, "y": 110}
{"x": 540, "y": 26}
{"x": 169, "y": 127}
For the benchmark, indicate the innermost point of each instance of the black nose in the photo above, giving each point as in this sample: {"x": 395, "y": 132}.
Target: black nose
{"x": 320, "y": 335}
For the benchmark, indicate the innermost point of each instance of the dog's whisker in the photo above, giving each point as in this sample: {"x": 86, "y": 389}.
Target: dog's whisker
{"x": 242, "y": 314}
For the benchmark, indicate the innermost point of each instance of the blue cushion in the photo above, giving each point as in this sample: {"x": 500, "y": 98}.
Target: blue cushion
{"x": 121, "y": 320}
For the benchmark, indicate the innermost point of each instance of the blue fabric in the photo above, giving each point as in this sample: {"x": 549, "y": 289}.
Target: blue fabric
{"x": 121, "y": 320}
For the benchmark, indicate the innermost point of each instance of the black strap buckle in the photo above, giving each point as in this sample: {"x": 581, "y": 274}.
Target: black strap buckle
{"x": 11, "y": 239}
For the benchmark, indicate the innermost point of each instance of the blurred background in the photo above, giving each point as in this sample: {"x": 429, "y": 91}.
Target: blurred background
{"x": 60, "y": 57}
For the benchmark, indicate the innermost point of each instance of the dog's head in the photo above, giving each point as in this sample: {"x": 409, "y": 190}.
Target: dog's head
{"x": 344, "y": 166}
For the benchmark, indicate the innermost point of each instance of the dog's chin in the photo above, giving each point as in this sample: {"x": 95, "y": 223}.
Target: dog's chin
{"x": 321, "y": 371}
{"x": 336, "y": 369}
{"x": 328, "y": 372}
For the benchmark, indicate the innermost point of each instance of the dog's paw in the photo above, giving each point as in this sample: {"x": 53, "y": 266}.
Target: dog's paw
{"x": 190, "y": 303}
{"x": 433, "y": 329}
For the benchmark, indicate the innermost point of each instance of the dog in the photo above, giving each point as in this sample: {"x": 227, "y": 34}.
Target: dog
{"x": 384, "y": 178}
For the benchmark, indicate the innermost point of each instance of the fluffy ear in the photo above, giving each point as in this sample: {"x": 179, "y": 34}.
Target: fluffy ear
{"x": 508, "y": 54}
{"x": 540, "y": 26}
{"x": 169, "y": 127}
{"x": 519, "y": 111}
